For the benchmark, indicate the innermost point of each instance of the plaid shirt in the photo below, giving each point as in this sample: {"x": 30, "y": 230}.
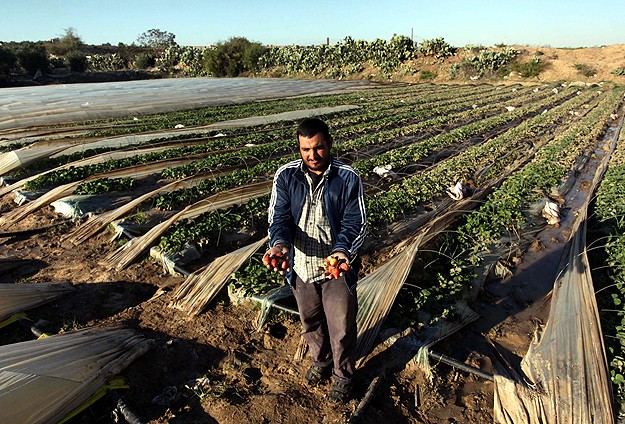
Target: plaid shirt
{"x": 312, "y": 240}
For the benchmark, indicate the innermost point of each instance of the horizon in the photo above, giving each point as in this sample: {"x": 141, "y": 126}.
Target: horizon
{"x": 555, "y": 24}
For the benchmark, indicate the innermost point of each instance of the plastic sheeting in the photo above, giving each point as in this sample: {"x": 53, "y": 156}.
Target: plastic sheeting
{"x": 201, "y": 287}
{"x": 565, "y": 369}
{"x": 125, "y": 255}
{"x": 41, "y": 381}
{"x": 566, "y": 364}
{"x": 376, "y": 294}
{"x": 20, "y": 297}
{"x": 27, "y": 106}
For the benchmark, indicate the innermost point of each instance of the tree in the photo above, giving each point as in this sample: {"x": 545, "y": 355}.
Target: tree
{"x": 232, "y": 58}
{"x": 67, "y": 43}
{"x": 156, "y": 39}
{"x": 32, "y": 57}
{"x": 8, "y": 60}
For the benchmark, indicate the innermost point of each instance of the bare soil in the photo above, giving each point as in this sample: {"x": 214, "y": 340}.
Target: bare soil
{"x": 217, "y": 368}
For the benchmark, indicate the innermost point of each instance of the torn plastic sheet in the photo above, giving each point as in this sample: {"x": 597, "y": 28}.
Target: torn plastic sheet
{"x": 564, "y": 375}
{"x": 567, "y": 360}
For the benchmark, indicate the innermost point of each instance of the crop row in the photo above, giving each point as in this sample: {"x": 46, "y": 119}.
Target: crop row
{"x": 186, "y": 196}
{"x": 232, "y": 142}
{"x": 167, "y": 242}
{"x": 494, "y": 155}
{"x": 208, "y": 115}
{"x": 403, "y": 156}
{"x": 609, "y": 213}
{"x": 503, "y": 211}
{"x": 249, "y": 174}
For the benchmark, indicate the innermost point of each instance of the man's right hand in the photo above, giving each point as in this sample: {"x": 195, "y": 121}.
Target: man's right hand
{"x": 277, "y": 259}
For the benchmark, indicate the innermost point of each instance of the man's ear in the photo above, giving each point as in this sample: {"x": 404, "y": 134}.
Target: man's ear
{"x": 329, "y": 141}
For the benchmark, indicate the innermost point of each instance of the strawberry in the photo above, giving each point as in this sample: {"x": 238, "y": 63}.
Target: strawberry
{"x": 275, "y": 263}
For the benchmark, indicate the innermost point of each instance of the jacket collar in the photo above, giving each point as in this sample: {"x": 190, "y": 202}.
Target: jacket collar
{"x": 332, "y": 167}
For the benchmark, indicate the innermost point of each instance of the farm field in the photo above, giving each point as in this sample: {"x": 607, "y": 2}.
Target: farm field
{"x": 157, "y": 222}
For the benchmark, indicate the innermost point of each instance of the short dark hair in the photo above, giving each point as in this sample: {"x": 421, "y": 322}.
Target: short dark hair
{"x": 310, "y": 127}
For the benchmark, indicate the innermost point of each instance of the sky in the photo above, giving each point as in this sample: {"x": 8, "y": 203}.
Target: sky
{"x": 554, "y": 23}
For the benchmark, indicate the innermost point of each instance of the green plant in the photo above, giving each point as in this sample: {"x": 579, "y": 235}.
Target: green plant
{"x": 531, "y": 68}
{"x": 454, "y": 70}
{"x": 619, "y": 71}
{"x": 427, "y": 75}
{"x": 255, "y": 278}
{"x": 233, "y": 57}
{"x": 585, "y": 69}
{"x": 8, "y": 60}
{"x": 105, "y": 185}
{"x": 156, "y": 39}
{"x": 144, "y": 61}
{"x": 69, "y": 42}
{"x": 334, "y": 73}
{"x": 437, "y": 47}
{"x": 488, "y": 62}
{"x": 32, "y": 57}
{"x": 106, "y": 62}
{"x": 76, "y": 61}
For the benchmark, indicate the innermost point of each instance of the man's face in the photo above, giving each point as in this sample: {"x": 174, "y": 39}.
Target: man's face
{"x": 315, "y": 152}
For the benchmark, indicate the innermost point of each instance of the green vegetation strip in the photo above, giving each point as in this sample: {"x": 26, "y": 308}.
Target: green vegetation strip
{"x": 609, "y": 210}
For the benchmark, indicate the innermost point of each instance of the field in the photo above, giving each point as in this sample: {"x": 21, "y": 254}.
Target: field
{"x": 158, "y": 205}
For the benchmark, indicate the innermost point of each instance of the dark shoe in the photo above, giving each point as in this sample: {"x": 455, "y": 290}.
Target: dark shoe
{"x": 316, "y": 373}
{"x": 340, "y": 392}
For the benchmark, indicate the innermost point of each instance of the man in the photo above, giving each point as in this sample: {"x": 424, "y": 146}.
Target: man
{"x": 317, "y": 210}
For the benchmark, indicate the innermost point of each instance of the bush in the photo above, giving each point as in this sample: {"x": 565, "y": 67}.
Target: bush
{"x": 233, "y": 57}
{"x": 489, "y": 62}
{"x": 427, "y": 75}
{"x": 619, "y": 71}
{"x": 531, "y": 68}
{"x": 31, "y": 57}
{"x": 144, "y": 61}
{"x": 76, "y": 61}
{"x": 585, "y": 70}
{"x": 438, "y": 48}
{"x": 8, "y": 60}
{"x": 401, "y": 47}
{"x": 106, "y": 62}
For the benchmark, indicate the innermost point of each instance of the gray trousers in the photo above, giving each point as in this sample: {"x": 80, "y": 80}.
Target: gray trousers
{"x": 328, "y": 314}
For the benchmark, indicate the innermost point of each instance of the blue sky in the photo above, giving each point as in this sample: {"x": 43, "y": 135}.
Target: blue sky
{"x": 555, "y": 23}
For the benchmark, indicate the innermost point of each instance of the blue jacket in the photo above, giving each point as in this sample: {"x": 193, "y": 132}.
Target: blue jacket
{"x": 343, "y": 202}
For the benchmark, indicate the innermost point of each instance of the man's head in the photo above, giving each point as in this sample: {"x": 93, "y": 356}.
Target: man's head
{"x": 315, "y": 143}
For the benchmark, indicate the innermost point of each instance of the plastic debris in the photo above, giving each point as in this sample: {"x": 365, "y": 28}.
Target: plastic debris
{"x": 385, "y": 172}
{"x": 551, "y": 212}
{"x": 457, "y": 191}
{"x": 178, "y": 126}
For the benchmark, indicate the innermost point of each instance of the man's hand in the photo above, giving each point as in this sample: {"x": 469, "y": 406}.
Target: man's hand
{"x": 336, "y": 265}
{"x": 277, "y": 259}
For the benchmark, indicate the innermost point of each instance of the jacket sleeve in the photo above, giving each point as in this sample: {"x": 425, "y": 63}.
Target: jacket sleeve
{"x": 279, "y": 213}
{"x": 353, "y": 228}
